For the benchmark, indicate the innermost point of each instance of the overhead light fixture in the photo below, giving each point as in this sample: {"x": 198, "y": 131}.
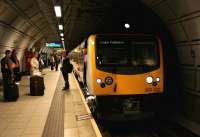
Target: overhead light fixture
{"x": 127, "y": 26}
{"x": 62, "y": 39}
{"x": 60, "y": 27}
{"x": 61, "y": 34}
{"x": 58, "y": 11}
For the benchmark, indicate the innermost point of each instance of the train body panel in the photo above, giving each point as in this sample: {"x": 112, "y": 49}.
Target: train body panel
{"x": 122, "y": 84}
{"x": 90, "y": 65}
{"x": 127, "y": 85}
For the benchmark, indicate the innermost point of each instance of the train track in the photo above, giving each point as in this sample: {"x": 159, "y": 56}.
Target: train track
{"x": 128, "y": 129}
{"x": 145, "y": 128}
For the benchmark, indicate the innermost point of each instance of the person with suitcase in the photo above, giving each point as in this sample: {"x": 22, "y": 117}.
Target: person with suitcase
{"x": 36, "y": 80}
{"x": 34, "y": 64}
{"x": 11, "y": 90}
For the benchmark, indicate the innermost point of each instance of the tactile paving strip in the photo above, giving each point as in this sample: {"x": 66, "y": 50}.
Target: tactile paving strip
{"x": 54, "y": 126}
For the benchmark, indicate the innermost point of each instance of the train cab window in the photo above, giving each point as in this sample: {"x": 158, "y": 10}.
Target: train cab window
{"x": 150, "y": 62}
{"x": 112, "y": 56}
{"x": 127, "y": 56}
{"x": 144, "y": 54}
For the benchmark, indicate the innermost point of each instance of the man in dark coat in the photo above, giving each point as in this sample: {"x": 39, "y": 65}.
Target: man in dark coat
{"x": 7, "y": 69}
{"x": 65, "y": 68}
{"x": 56, "y": 61}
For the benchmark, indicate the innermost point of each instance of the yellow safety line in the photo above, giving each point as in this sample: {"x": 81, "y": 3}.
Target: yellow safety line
{"x": 94, "y": 124}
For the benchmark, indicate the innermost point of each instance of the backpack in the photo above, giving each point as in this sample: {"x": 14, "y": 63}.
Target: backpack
{"x": 67, "y": 67}
{"x": 70, "y": 68}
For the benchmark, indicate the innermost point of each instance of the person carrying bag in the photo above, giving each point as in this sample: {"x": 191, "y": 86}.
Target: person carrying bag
{"x": 10, "y": 89}
{"x": 66, "y": 68}
{"x": 36, "y": 80}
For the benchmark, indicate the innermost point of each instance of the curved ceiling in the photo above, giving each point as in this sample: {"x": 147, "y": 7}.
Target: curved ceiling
{"x": 35, "y": 19}
{"x": 22, "y": 22}
{"x": 25, "y": 22}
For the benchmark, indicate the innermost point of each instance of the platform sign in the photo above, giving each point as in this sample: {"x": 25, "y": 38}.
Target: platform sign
{"x": 54, "y": 45}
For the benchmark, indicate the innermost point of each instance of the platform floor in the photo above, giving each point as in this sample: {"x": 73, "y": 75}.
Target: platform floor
{"x": 28, "y": 116}
{"x": 77, "y": 121}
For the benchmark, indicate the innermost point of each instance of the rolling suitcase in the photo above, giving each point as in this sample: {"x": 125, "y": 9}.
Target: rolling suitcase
{"x": 11, "y": 92}
{"x": 37, "y": 86}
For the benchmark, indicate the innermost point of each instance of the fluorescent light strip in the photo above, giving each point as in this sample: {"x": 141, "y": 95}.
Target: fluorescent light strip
{"x": 61, "y": 34}
{"x": 58, "y": 11}
{"x": 60, "y": 27}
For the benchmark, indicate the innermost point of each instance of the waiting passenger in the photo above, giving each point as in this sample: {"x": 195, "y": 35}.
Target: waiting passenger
{"x": 35, "y": 65}
{"x": 56, "y": 59}
{"x": 7, "y": 68}
{"x": 41, "y": 62}
{"x": 64, "y": 69}
{"x": 28, "y": 57}
{"x": 52, "y": 62}
{"x": 10, "y": 91}
{"x": 16, "y": 68}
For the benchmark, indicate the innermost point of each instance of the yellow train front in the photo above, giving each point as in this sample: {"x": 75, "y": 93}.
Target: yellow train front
{"x": 124, "y": 74}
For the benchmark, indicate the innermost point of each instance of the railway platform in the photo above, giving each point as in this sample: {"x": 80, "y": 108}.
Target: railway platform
{"x": 56, "y": 114}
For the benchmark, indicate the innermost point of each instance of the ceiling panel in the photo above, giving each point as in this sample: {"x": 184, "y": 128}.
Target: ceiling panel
{"x": 7, "y": 15}
{"x": 24, "y": 4}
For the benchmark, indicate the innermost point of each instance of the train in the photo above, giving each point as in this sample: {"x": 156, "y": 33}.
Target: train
{"x": 122, "y": 74}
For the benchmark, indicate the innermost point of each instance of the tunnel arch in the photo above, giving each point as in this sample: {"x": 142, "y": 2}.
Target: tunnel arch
{"x": 24, "y": 23}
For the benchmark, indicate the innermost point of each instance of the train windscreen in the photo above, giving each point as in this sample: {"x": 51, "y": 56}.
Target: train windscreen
{"x": 127, "y": 56}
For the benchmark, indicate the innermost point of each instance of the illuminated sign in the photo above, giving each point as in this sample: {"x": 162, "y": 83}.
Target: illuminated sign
{"x": 111, "y": 42}
{"x": 54, "y": 45}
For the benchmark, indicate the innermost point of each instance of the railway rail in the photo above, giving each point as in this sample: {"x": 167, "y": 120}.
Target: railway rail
{"x": 142, "y": 128}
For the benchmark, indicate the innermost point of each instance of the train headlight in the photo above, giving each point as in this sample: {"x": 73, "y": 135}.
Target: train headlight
{"x": 149, "y": 79}
{"x": 157, "y": 79}
{"x": 108, "y": 80}
{"x": 99, "y": 80}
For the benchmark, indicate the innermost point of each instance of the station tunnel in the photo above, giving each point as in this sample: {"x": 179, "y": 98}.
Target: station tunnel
{"x": 32, "y": 23}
